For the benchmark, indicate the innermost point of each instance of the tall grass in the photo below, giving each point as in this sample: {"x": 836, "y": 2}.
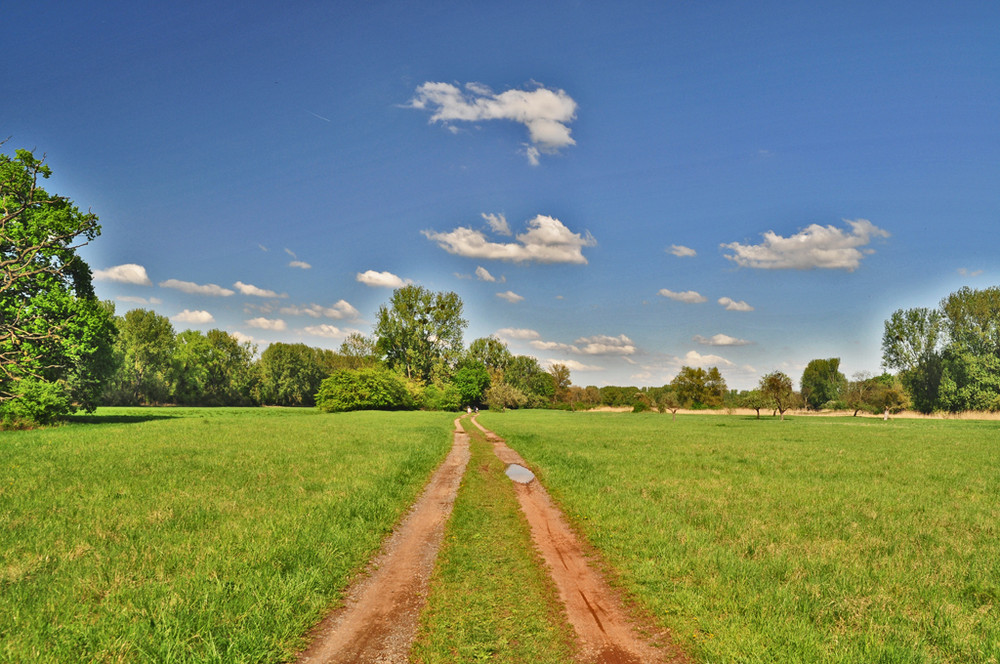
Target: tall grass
{"x": 809, "y": 540}
{"x": 195, "y": 535}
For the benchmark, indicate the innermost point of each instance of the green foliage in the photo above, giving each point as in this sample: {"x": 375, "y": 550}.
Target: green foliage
{"x": 503, "y": 396}
{"x": 756, "y": 400}
{"x": 52, "y": 328}
{"x": 777, "y": 387}
{"x": 363, "y": 389}
{"x": 34, "y": 403}
{"x": 212, "y": 369}
{"x": 491, "y": 352}
{"x": 442, "y": 397}
{"x": 144, "y": 354}
{"x": 822, "y": 382}
{"x": 471, "y": 381}
{"x": 560, "y": 382}
{"x": 290, "y": 374}
{"x": 526, "y": 376}
{"x": 420, "y": 332}
{"x": 698, "y": 388}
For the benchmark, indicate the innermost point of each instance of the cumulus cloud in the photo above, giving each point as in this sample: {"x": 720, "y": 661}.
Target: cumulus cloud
{"x": 250, "y": 289}
{"x": 498, "y": 224}
{"x": 545, "y": 113}
{"x": 573, "y": 365}
{"x": 517, "y": 333}
{"x": 600, "y": 344}
{"x": 342, "y": 309}
{"x": 721, "y": 340}
{"x": 511, "y": 297}
{"x": 129, "y": 273}
{"x": 327, "y": 331}
{"x": 302, "y": 265}
{"x": 732, "y": 305}
{"x": 966, "y": 272}
{"x": 682, "y": 251}
{"x": 381, "y": 279}
{"x": 242, "y": 338}
{"x": 139, "y": 300}
{"x": 695, "y": 359}
{"x": 274, "y": 324}
{"x": 484, "y": 275}
{"x": 690, "y": 297}
{"x": 815, "y": 246}
{"x": 196, "y": 317}
{"x": 196, "y": 289}
{"x": 547, "y": 240}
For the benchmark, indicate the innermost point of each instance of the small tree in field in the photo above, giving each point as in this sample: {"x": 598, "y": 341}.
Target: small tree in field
{"x": 755, "y": 400}
{"x": 668, "y": 401}
{"x": 777, "y": 387}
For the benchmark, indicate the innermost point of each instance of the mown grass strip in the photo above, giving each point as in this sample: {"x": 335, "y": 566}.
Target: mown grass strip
{"x": 490, "y": 599}
{"x": 810, "y": 540}
{"x": 196, "y": 535}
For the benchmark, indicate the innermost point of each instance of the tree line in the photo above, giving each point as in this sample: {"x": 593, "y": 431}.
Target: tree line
{"x": 62, "y": 349}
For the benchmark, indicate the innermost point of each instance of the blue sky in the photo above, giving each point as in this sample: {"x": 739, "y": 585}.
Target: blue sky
{"x": 622, "y": 187}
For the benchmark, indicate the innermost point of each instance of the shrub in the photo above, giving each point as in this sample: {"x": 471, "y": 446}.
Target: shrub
{"x": 363, "y": 389}
{"x": 442, "y": 397}
{"x": 35, "y": 403}
{"x": 502, "y": 396}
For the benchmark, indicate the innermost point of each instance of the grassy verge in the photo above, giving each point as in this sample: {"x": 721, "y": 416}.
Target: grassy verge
{"x": 810, "y": 540}
{"x": 195, "y": 535}
{"x": 490, "y": 599}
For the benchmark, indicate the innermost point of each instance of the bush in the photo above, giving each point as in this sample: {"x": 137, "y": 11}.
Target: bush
{"x": 442, "y": 397}
{"x": 363, "y": 389}
{"x": 502, "y": 396}
{"x": 35, "y": 403}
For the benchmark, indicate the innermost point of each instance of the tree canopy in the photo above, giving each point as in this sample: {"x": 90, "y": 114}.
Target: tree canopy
{"x": 420, "y": 332}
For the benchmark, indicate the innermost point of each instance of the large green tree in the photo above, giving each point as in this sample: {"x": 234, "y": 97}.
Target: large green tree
{"x": 822, "y": 382}
{"x": 290, "y": 374}
{"x": 52, "y": 327}
{"x": 145, "y": 355}
{"x": 699, "y": 388}
{"x": 777, "y": 387}
{"x": 420, "y": 332}
{"x": 213, "y": 369}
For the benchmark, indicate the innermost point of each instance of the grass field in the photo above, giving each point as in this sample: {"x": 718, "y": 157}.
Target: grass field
{"x": 809, "y": 540}
{"x": 490, "y": 598}
{"x": 195, "y": 535}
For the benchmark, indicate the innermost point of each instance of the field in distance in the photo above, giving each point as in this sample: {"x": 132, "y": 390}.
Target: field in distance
{"x": 810, "y": 540}
{"x": 196, "y": 535}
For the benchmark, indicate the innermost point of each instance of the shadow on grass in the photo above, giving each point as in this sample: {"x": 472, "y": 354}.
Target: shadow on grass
{"x": 116, "y": 419}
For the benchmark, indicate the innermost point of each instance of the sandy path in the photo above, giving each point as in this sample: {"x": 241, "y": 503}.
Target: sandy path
{"x": 379, "y": 619}
{"x": 595, "y": 610}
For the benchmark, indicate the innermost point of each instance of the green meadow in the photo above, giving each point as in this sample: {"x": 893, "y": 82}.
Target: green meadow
{"x": 196, "y": 535}
{"x": 810, "y": 540}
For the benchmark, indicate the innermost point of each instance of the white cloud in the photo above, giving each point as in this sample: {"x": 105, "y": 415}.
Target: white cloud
{"x": 302, "y": 265}
{"x": 690, "y": 297}
{"x": 196, "y": 289}
{"x": 696, "y": 359}
{"x": 573, "y": 365}
{"x": 547, "y": 240}
{"x": 242, "y": 338}
{"x": 546, "y": 113}
{"x": 815, "y": 246}
{"x": 966, "y": 272}
{"x": 732, "y": 305}
{"x": 327, "y": 331}
{"x": 381, "y": 279}
{"x": 721, "y": 340}
{"x": 274, "y": 324}
{"x": 196, "y": 317}
{"x": 484, "y": 275}
{"x": 129, "y": 273}
{"x": 498, "y": 224}
{"x": 682, "y": 251}
{"x": 342, "y": 309}
{"x": 250, "y": 289}
{"x": 517, "y": 333}
{"x": 511, "y": 297}
{"x": 138, "y": 300}
{"x": 600, "y": 344}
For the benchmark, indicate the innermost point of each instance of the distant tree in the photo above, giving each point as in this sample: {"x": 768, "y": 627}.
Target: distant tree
{"x": 755, "y": 400}
{"x": 591, "y": 396}
{"x": 358, "y": 351}
{"x": 527, "y": 377}
{"x": 471, "y": 381}
{"x": 213, "y": 369}
{"x": 698, "y": 388}
{"x": 777, "y": 387}
{"x": 858, "y": 394}
{"x": 668, "y": 400}
{"x": 290, "y": 375}
{"x": 887, "y": 395}
{"x": 52, "y": 327}
{"x": 373, "y": 388}
{"x": 420, "y": 332}
{"x": 492, "y": 353}
{"x": 911, "y": 344}
{"x": 144, "y": 350}
{"x": 502, "y": 396}
{"x": 822, "y": 382}
{"x": 560, "y": 381}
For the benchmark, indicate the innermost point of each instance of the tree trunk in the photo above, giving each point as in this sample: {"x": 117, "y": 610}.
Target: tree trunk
{"x": 885, "y": 415}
